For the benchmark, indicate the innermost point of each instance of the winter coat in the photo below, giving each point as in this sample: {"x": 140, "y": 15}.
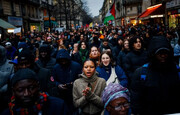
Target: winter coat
{"x": 76, "y": 57}
{"x": 65, "y": 75}
{"x": 119, "y": 72}
{"x": 134, "y": 60}
{"x": 11, "y": 53}
{"x": 53, "y": 106}
{"x": 43, "y": 77}
{"x": 150, "y": 96}
{"x": 121, "y": 58}
{"x": 6, "y": 70}
{"x": 92, "y": 103}
{"x": 102, "y": 47}
{"x": 48, "y": 65}
{"x": 116, "y": 51}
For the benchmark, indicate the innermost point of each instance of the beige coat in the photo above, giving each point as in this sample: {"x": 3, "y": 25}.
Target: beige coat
{"x": 92, "y": 103}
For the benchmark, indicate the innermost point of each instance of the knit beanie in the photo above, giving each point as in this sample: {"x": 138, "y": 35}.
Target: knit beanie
{"x": 114, "y": 91}
{"x": 22, "y": 74}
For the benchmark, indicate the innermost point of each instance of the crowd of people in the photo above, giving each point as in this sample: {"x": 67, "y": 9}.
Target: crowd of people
{"x": 104, "y": 70}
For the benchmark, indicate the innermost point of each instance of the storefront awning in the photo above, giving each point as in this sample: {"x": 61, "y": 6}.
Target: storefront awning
{"x": 6, "y": 25}
{"x": 153, "y": 11}
{"x": 46, "y": 23}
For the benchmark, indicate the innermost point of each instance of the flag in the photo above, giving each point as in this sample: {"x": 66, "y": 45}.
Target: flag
{"x": 110, "y": 14}
{"x": 91, "y": 24}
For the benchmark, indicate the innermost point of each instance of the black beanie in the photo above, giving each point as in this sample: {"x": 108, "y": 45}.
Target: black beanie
{"x": 26, "y": 54}
{"x": 22, "y": 74}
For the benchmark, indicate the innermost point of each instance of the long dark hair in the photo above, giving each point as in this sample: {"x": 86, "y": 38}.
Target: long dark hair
{"x": 110, "y": 56}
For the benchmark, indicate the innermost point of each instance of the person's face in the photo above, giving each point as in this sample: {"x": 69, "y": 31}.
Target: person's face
{"x": 137, "y": 44}
{"x": 81, "y": 37}
{"x": 75, "y": 47}
{"x": 162, "y": 56}
{"x": 43, "y": 54}
{"x": 126, "y": 45}
{"x": 89, "y": 68}
{"x": 118, "y": 106}
{"x": 120, "y": 42}
{"x": 26, "y": 92}
{"x": 24, "y": 64}
{"x": 105, "y": 43}
{"x": 49, "y": 40}
{"x": 38, "y": 39}
{"x": 105, "y": 59}
{"x": 83, "y": 45}
{"x": 64, "y": 62}
{"x": 94, "y": 51}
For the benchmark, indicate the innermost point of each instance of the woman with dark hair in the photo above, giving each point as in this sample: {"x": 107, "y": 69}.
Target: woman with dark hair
{"x": 87, "y": 90}
{"x": 83, "y": 51}
{"x": 122, "y": 54}
{"x": 109, "y": 71}
{"x": 136, "y": 57}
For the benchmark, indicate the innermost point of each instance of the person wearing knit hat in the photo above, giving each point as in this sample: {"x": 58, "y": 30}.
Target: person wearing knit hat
{"x": 27, "y": 98}
{"x": 26, "y": 59}
{"x": 116, "y": 100}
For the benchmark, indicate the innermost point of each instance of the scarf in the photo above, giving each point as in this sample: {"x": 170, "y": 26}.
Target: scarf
{"x": 83, "y": 53}
{"x": 91, "y": 79}
{"x": 37, "y": 108}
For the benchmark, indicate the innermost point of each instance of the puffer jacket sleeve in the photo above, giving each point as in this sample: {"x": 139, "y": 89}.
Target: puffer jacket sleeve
{"x": 121, "y": 76}
{"x": 78, "y": 100}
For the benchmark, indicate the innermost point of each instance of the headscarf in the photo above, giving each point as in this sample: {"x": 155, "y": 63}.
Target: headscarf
{"x": 114, "y": 91}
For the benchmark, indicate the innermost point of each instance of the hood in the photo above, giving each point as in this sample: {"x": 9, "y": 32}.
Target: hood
{"x": 62, "y": 53}
{"x": 2, "y": 55}
{"x": 157, "y": 43}
{"x": 45, "y": 48}
{"x": 22, "y": 45}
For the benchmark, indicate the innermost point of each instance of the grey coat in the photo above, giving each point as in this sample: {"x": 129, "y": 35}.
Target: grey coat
{"x": 6, "y": 70}
{"x": 92, "y": 103}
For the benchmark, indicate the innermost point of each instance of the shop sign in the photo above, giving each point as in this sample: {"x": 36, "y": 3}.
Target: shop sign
{"x": 173, "y": 3}
{"x": 15, "y": 21}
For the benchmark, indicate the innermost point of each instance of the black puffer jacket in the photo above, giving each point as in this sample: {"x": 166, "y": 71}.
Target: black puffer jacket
{"x": 158, "y": 93}
{"x": 134, "y": 60}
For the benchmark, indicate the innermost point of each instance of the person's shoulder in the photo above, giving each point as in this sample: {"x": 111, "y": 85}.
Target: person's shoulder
{"x": 5, "y": 112}
{"x": 101, "y": 79}
{"x": 98, "y": 68}
{"x": 75, "y": 64}
{"x": 54, "y": 101}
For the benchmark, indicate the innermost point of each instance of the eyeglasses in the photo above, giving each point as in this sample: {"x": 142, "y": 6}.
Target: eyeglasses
{"x": 120, "y": 106}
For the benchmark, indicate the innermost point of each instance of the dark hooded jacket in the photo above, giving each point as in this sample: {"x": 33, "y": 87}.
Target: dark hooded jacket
{"x": 65, "y": 74}
{"x": 68, "y": 73}
{"x": 47, "y": 62}
{"x": 158, "y": 93}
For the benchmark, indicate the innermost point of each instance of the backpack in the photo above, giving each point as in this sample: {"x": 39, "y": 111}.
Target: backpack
{"x": 145, "y": 68}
